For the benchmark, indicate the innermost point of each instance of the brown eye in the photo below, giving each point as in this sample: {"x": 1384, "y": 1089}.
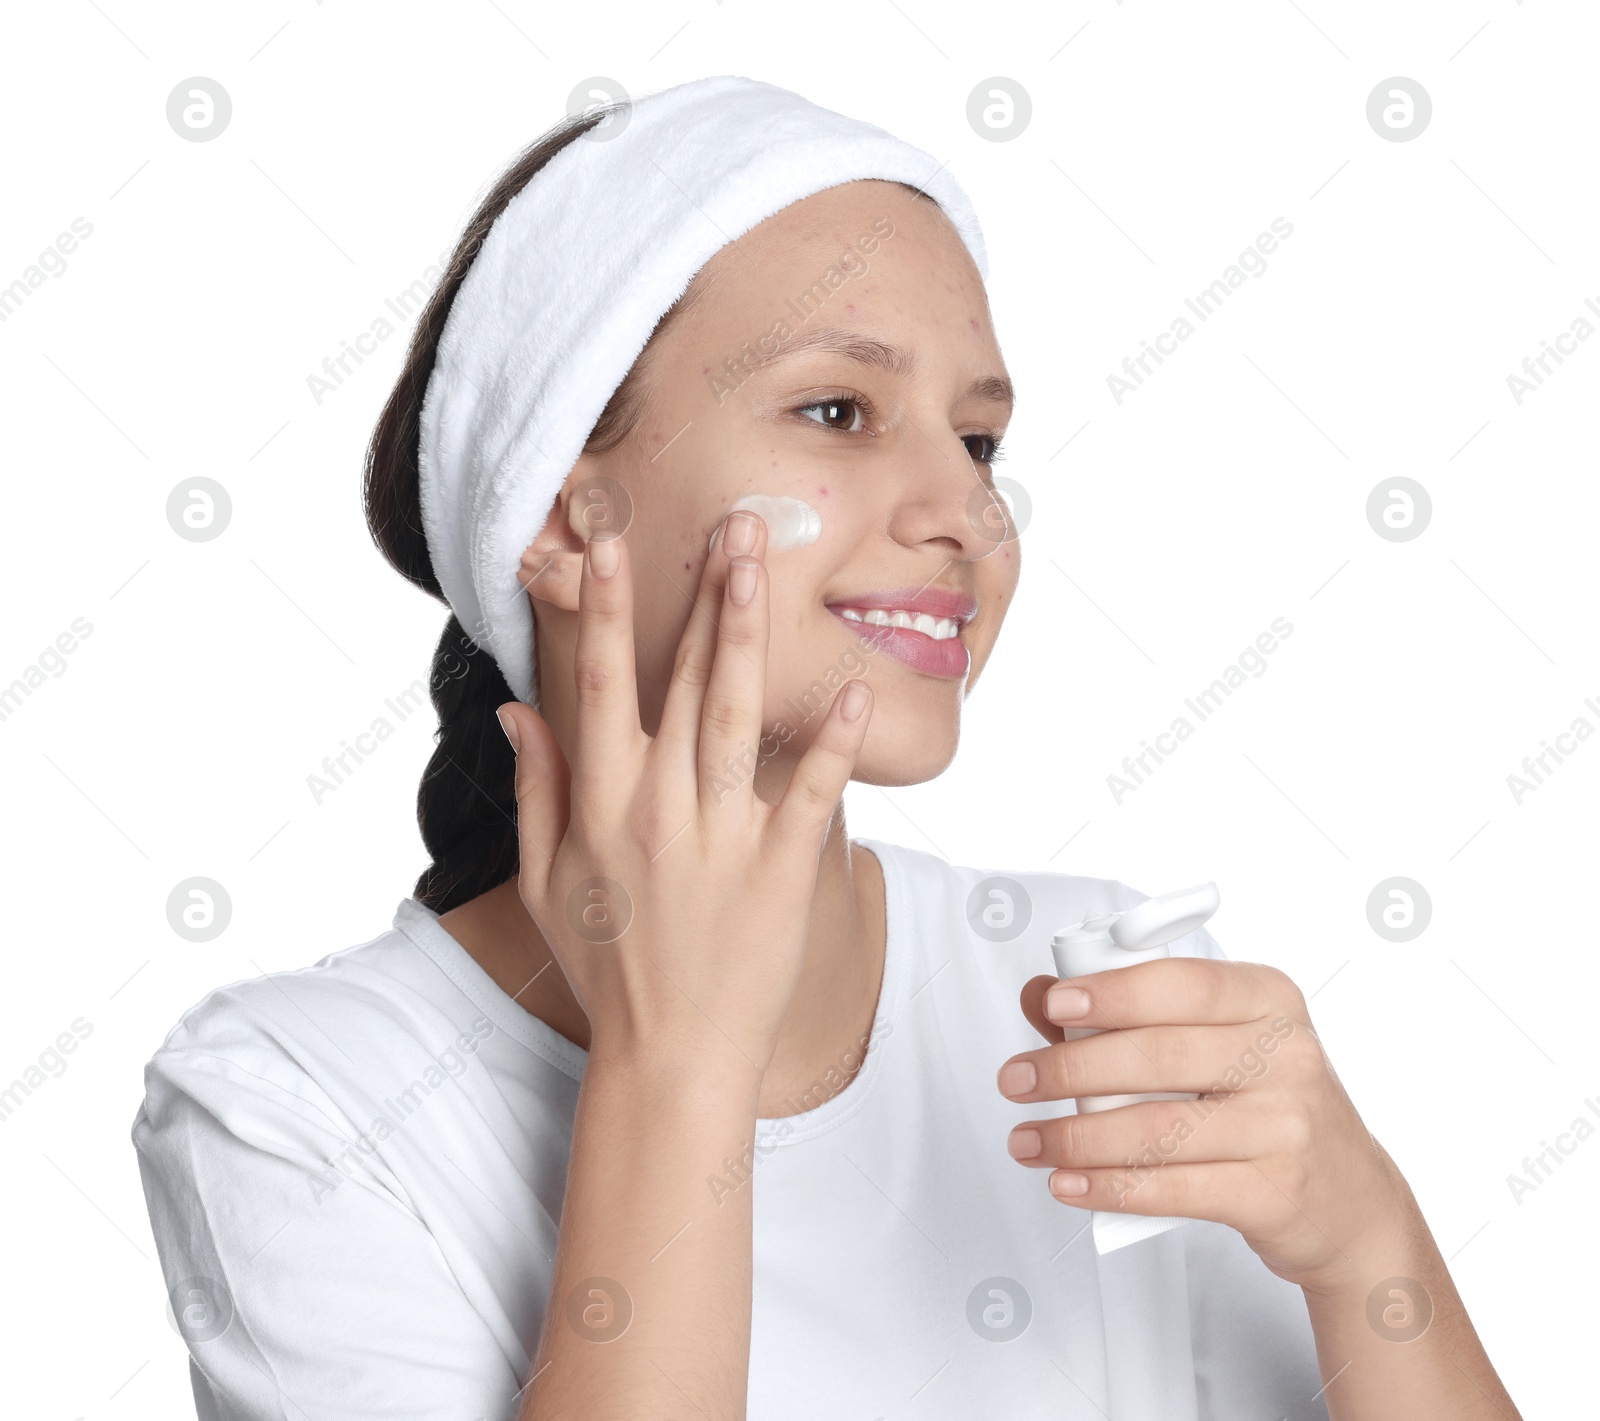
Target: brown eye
{"x": 847, "y": 412}
{"x": 988, "y": 452}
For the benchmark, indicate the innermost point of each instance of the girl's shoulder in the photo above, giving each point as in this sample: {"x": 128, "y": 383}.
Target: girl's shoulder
{"x": 341, "y": 980}
{"x": 292, "y": 1033}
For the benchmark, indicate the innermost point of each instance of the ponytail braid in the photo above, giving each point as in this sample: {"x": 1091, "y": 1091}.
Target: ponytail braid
{"x": 466, "y": 804}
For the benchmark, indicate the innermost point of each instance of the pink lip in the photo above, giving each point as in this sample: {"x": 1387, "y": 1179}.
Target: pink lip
{"x": 935, "y": 601}
{"x": 947, "y": 659}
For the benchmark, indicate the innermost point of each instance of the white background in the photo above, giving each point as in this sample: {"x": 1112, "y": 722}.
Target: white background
{"x": 1167, "y": 532}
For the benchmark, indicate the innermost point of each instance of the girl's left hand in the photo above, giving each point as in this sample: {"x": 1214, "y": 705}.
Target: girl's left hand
{"x": 1273, "y": 1147}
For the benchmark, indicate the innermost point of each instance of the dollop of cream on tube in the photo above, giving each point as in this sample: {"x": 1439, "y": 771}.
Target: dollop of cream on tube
{"x": 791, "y": 522}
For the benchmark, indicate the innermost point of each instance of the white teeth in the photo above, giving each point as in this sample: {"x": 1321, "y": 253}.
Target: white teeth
{"x": 939, "y": 628}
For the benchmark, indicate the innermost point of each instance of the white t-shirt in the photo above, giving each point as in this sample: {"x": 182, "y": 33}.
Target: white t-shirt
{"x": 354, "y": 1173}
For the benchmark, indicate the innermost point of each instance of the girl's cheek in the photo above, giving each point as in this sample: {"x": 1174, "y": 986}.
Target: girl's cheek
{"x": 791, "y": 522}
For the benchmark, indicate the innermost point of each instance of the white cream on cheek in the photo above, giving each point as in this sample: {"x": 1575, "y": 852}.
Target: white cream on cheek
{"x": 791, "y": 522}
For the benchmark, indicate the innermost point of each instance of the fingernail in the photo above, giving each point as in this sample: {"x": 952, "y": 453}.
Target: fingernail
{"x": 738, "y": 534}
{"x": 510, "y": 727}
{"x": 1064, "y": 1184}
{"x": 852, "y": 701}
{"x": 603, "y": 555}
{"x": 1066, "y": 1003}
{"x": 1018, "y": 1078}
{"x": 742, "y": 581}
{"x": 1024, "y": 1143}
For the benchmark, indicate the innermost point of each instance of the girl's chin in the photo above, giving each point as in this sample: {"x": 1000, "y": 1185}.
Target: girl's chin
{"x": 911, "y": 738}
{"x": 882, "y": 762}
{"x": 892, "y": 758}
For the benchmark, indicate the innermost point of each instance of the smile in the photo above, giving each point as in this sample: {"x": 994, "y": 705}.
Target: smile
{"x": 919, "y": 627}
{"x": 939, "y": 628}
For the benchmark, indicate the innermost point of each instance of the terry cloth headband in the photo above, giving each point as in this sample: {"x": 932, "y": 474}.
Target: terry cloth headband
{"x": 566, "y": 290}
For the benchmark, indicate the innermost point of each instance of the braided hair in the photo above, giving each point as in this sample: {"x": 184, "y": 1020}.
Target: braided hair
{"x": 466, "y": 804}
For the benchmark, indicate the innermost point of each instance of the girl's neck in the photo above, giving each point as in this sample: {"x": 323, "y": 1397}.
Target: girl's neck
{"x": 829, "y": 1019}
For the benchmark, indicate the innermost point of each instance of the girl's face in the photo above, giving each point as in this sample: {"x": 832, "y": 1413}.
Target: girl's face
{"x": 840, "y": 354}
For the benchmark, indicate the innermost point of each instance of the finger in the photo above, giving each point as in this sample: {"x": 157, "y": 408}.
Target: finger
{"x": 607, "y": 697}
{"x": 542, "y": 793}
{"x": 731, "y": 711}
{"x": 741, "y": 534}
{"x": 1228, "y": 1192}
{"x": 1176, "y": 991}
{"x": 1033, "y": 1007}
{"x": 1142, "y": 1059}
{"x": 1212, "y": 1128}
{"x": 801, "y": 817}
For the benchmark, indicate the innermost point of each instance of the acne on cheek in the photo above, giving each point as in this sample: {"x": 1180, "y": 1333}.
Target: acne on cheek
{"x": 791, "y": 522}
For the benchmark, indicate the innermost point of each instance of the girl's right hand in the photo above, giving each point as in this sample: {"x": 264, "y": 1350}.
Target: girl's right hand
{"x": 676, "y": 905}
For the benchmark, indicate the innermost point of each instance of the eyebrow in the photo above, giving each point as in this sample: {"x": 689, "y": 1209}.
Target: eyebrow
{"x": 880, "y": 355}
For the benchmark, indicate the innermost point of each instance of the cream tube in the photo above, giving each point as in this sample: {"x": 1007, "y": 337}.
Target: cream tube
{"x": 1107, "y": 940}
{"x": 791, "y": 522}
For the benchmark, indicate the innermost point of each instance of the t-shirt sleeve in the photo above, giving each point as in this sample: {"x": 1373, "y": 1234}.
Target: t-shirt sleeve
{"x": 301, "y": 1293}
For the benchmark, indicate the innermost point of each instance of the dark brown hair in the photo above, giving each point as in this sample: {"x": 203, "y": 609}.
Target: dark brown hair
{"x": 466, "y": 806}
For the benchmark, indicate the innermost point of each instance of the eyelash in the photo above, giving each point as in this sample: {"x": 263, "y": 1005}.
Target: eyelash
{"x": 864, "y": 405}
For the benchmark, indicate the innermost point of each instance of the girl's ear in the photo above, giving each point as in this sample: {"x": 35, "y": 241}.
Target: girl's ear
{"x": 552, "y": 566}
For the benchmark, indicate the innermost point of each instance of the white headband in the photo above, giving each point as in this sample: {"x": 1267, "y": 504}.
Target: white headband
{"x": 567, "y": 288}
